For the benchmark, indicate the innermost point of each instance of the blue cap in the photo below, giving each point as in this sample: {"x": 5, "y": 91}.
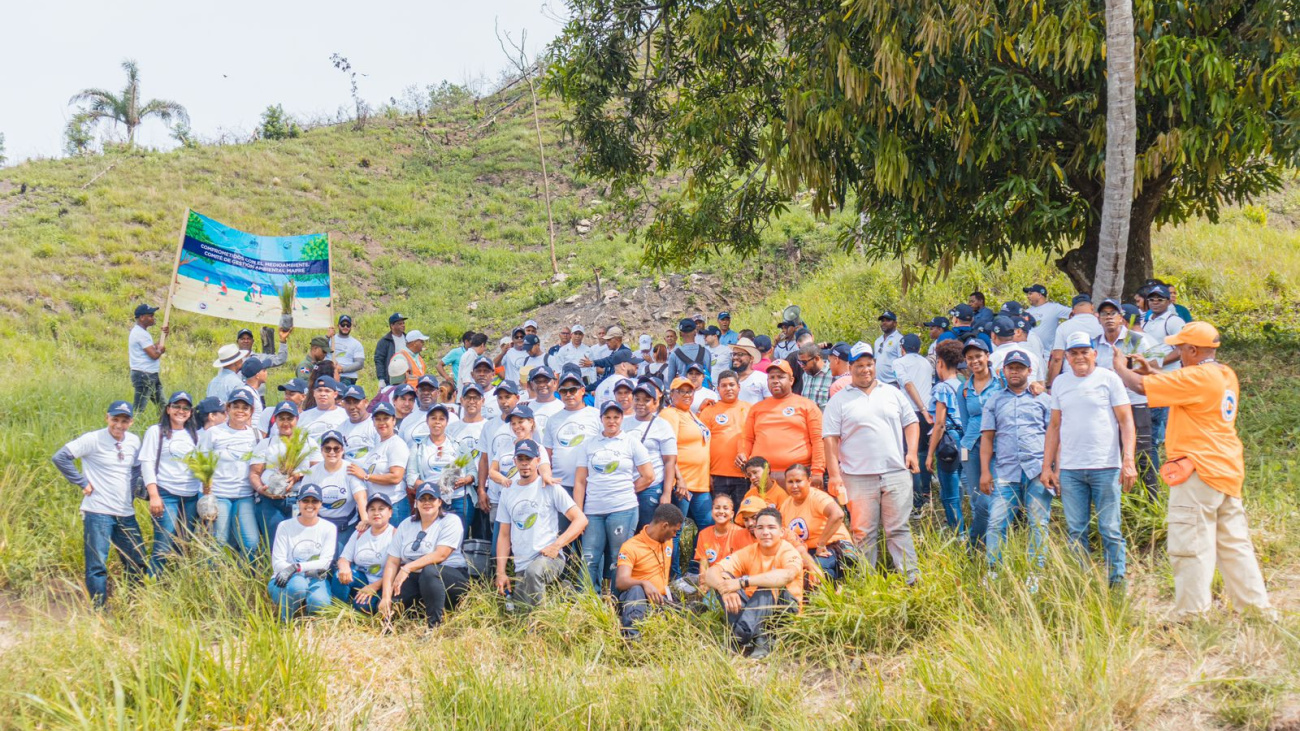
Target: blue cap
{"x": 1024, "y": 322}
{"x": 694, "y": 366}
{"x": 841, "y": 351}
{"x": 310, "y": 490}
{"x": 427, "y": 380}
{"x": 180, "y": 396}
{"x": 251, "y": 367}
{"x": 395, "y": 318}
{"x": 763, "y": 343}
{"x": 888, "y": 315}
{"x": 527, "y": 448}
{"x": 328, "y": 382}
{"x": 522, "y": 411}
{"x": 1158, "y": 290}
{"x": 383, "y": 407}
{"x": 210, "y": 405}
{"x": 861, "y": 350}
{"x": 1035, "y": 288}
{"x": 962, "y": 311}
{"x": 446, "y": 411}
{"x": 571, "y": 372}
{"x": 1017, "y": 356}
{"x": 142, "y": 310}
{"x": 975, "y": 342}
{"x": 712, "y": 330}
{"x": 1111, "y": 302}
{"x": 1080, "y": 299}
{"x": 686, "y": 325}
{"x": 345, "y": 318}
{"x": 244, "y": 395}
{"x": 625, "y": 356}
{"x": 1131, "y": 313}
{"x": 508, "y": 387}
{"x": 531, "y": 340}
{"x": 1078, "y": 340}
{"x": 297, "y": 385}
{"x": 483, "y": 360}
{"x": 401, "y": 390}
{"x": 1003, "y": 326}
{"x": 243, "y": 332}
{"x": 646, "y": 387}
{"x": 378, "y": 495}
{"x": 426, "y": 488}
{"x": 1011, "y": 307}
{"x": 121, "y": 408}
{"x": 627, "y": 383}
{"x": 787, "y": 323}
{"x": 724, "y": 315}
{"x": 471, "y": 387}
{"x": 541, "y": 371}
{"x": 605, "y": 407}
{"x": 911, "y": 343}
{"x": 333, "y": 435}
{"x": 939, "y": 322}
{"x": 354, "y": 391}
{"x": 285, "y": 407}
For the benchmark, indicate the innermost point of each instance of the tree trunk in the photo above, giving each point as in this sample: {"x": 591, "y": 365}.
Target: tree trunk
{"x": 1080, "y": 264}
{"x": 1121, "y": 141}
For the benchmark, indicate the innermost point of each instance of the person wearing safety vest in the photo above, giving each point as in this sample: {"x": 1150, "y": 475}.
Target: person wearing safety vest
{"x": 410, "y": 356}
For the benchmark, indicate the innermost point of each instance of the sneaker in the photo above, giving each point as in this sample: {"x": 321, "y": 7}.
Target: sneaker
{"x": 761, "y": 649}
{"x": 1031, "y": 584}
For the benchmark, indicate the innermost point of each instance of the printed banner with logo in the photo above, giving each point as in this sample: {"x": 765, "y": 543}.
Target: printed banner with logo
{"x": 228, "y": 273}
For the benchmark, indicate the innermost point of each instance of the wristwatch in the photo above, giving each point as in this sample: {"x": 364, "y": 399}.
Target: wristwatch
{"x": 744, "y": 581}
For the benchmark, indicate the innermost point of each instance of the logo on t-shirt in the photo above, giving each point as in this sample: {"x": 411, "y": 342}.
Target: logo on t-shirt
{"x": 800, "y": 528}
{"x": 179, "y": 450}
{"x": 570, "y": 434}
{"x": 1228, "y": 408}
{"x": 605, "y": 461}
{"x": 722, "y": 419}
{"x": 711, "y": 554}
{"x": 305, "y": 550}
{"x": 527, "y": 510}
{"x": 333, "y": 496}
{"x": 788, "y": 411}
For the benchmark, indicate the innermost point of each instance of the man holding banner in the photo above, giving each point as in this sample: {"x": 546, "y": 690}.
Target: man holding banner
{"x": 142, "y": 357}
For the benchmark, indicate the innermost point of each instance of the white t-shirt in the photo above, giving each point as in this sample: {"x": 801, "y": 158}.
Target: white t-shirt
{"x": 1079, "y": 323}
{"x": 888, "y": 348}
{"x": 349, "y": 354}
{"x": 915, "y": 369}
{"x": 612, "y": 464}
{"x": 392, "y": 452}
{"x": 542, "y": 414}
{"x": 428, "y": 460}
{"x": 1089, "y": 429}
{"x": 1143, "y": 345}
{"x": 512, "y": 361}
{"x": 1161, "y": 327}
{"x": 415, "y": 428}
{"x": 234, "y": 449}
{"x": 565, "y": 433}
{"x": 164, "y": 467}
{"x": 368, "y": 552}
{"x": 657, "y": 437}
{"x": 574, "y": 354}
{"x": 317, "y": 422}
{"x": 338, "y": 491}
{"x": 360, "y": 436}
{"x": 870, "y": 428}
{"x": 466, "y": 435}
{"x": 136, "y": 342}
{"x": 106, "y": 463}
{"x": 753, "y": 388}
{"x": 1037, "y": 370}
{"x": 1048, "y": 317}
{"x": 407, "y": 545}
{"x": 311, "y": 547}
{"x": 533, "y": 513}
{"x": 721, "y": 362}
{"x": 465, "y": 373}
{"x": 270, "y": 449}
{"x": 703, "y": 394}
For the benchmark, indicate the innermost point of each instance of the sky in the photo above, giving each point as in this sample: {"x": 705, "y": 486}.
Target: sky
{"x": 226, "y": 62}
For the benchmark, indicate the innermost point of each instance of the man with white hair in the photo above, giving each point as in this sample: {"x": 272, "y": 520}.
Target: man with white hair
{"x": 575, "y": 351}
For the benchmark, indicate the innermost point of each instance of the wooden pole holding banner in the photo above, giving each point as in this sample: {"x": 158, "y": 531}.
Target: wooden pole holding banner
{"x": 176, "y": 273}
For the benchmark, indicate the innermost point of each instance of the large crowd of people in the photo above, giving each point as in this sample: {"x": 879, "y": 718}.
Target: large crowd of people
{"x": 545, "y": 461}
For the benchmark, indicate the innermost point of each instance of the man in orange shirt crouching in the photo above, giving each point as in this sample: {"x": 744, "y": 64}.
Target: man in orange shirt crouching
{"x": 759, "y": 582}
{"x": 644, "y": 563}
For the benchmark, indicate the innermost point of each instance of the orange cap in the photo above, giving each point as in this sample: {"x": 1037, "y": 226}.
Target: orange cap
{"x": 678, "y": 382}
{"x": 1200, "y": 334}
{"x": 751, "y": 505}
{"x": 782, "y": 364}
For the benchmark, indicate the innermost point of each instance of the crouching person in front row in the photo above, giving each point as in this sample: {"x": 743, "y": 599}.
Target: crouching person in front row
{"x": 301, "y": 556}
{"x": 759, "y": 582}
{"x": 644, "y": 563}
{"x": 529, "y": 520}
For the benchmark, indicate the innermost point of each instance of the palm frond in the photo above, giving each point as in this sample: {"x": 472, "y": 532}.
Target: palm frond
{"x": 95, "y": 96}
{"x": 165, "y": 109}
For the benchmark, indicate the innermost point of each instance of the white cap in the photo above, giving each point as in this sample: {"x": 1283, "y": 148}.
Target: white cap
{"x": 505, "y": 340}
{"x": 647, "y": 342}
{"x": 577, "y": 329}
{"x": 530, "y": 323}
{"x": 415, "y": 335}
{"x": 859, "y": 350}
{"x": 1078, "y": 340}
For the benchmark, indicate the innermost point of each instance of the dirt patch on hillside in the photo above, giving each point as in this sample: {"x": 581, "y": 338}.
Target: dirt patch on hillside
{"x": 653, "y": 306}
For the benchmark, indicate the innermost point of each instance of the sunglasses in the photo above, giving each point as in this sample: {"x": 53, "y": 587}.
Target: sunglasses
{"x": 331, "y": 450}
{"x": 120, "y": 456}
{"x": 804, "y": 363}
{"x": 569, "y": 390}
{"x": 419, "y": 539}
{"x": 182, "y": 407}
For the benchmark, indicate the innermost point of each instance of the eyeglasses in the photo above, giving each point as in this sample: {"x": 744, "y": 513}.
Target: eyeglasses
{"x": 120, "y": 456}
{"x": 419, "y": 539}
{"x": 331, "y": 450}
{"x": 805, "y": 363}
{"x": 182, "y": 407}
{"x": 569, "y": 390}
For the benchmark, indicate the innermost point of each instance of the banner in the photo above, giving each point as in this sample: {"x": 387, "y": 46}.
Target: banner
{"x": 224, "y": 272}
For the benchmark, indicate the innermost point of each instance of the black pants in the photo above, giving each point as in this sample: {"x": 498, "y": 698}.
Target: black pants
{"x": 736, "y": 487}
{"x": 148, "y": 387}
{"x": 749, "y": 625}
{"x": 1146, "y": 451}
{"x": 921, "y": 480}
{"x": 436, "y": 587}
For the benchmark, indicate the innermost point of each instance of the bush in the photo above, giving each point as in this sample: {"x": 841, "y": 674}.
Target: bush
{"x": 276, "y": 125}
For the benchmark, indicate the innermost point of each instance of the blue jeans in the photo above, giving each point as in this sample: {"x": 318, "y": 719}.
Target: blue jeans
{"x": 923, "y": 480}
{"x": 177, "y": 521}
{"x": 979, "y": 502}
{"x": 1081, "y": 491}
{"x": 1159, "y": 420}
{"x": 698, "y": 508}
{"x": 401, "y": 511}
{"x": 950, "y": 496}
{"x": 601, "y": 540}
{"x": 236, "y": 524}
{"x": 301, "y": 592}
{"x": 647, "y": 501}
{"x": 1007, "y": 499}
{"x": 271, "y": 512}
{"x": 463, "y": 508}
{"x": 348, "y": 592}
{"x": 99, "y": 531}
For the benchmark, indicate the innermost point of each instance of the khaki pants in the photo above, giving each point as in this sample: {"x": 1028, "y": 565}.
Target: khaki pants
{"x": 1207, "y": 527}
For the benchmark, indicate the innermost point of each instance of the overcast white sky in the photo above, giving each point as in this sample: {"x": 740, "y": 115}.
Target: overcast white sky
{"x": 227, "y": 61}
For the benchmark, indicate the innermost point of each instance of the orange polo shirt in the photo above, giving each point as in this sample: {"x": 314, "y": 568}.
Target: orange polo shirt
{"x": 786, "y": 431}
{"x": 692, "y": 447}
{"x": 1203, "y": 401}
{"x": 650, "y": 561}
{"x": 808, "y": 520}
{"x": 726, "y": 423}
{"x": 749, "y": 561}
{"x": 709, "y": 545}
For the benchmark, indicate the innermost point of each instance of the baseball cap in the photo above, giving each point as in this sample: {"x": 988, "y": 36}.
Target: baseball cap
{"x": 527, "y": 448}
{"x": 940, "y": 322}
{"x": 962, "y": 311}
{"x": 120, "y": 408}
{"x": 345, "y": 318}
{"x": 614, "y": 332}
{"x": 571, "y": 372}
{"x": 285, "y": 407}
{"x": 646, "y": 387}
{"x": 646, "y": 342}
{"x": 395, "y": 318}
{"x": 531, "y": 340}
{"x": 680, "y": 382}
{"x": 1200, "y": 334}
{"x": 297, "y": 385}
{"x": 1158, "y": 290}
{"x": 861, "y": 350}
{"x": 383, "y": 407}
{"x": 1111, "y": 302}
{"x": 401, "y": 390}
{"x": 605, "y": 407}
{"x": 483, "y": 360}
{"x": 310, "y": 491}
{"x": 354, "y": 391}
{"x": 427, "y": 380}
{"x": 179, "y": 396}
{"x": 841, "y": 351}
{"x": 142, "y": 310}
{"x": 522, "y": 411}
{"x": 763, "y": 343}
{"x": 751, "y": 505}
{"x": 712, "y": 330}
{"x": 379, "y": 495}
{"x": 446, "y": 410}
{"x": 1003, "y": 326}
{"x": 623, "y": 356}
{"x": 1035, "y": 288}
{"x": 517, "y": 331}
{"x": 1079, "y": 299}
{"x": 426, "y": 488}
{"x": 210, "y": 405}
{"x": 471, "y": 387}
{"x": 1078, "y": 340}
{"x": 779, "y": 364}
{"x": 321, "y": 342}
{"x": 888, "y": 315}
{"x": 627, "y": 383}
{"x": 787, "y": 323}
{"x": 243, "y": 395}
{"x": 975, "y": 343}
{"x": 508, "y": 387}
{"x": 328, "y": 382}
{"x": 578, "y": 329}
{"x": 1024, "y": 323}
{"x": 686, "y": 325}
{"x": 911, "y": 343}
{"x": 1011, "y": 307}
{"x": 693, "y": 366}
{"x": 1017, "y": 356}
{"x": 416, "y": 336}
{"x": 530, "y": 323}
{"x": 243, "y": 332}
{"x": 541, "y": 371}
{"x": 1131, "y": 313}
{"x": 724, "y": 315}
{"x": 251, "y": 367}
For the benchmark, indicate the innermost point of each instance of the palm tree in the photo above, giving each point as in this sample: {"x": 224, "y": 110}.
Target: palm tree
{"x": 1121, "y": 151}
{"x": 125, "y": 108}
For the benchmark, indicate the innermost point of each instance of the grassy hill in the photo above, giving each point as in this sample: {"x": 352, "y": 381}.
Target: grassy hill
{"x": 429, "y": 218}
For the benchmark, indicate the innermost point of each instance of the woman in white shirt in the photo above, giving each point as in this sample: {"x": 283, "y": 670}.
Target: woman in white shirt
{"x": 360, "y": 574}
{"x": 173, "y": 489}
{"x": 301, "y": 557}
{"x": 384, "y": 467}
{"x": 342, "y": 494}
{"x": 234, "y": 443}
{"x": 425, "y": 564}
{"x": 613, "y": 467}
{"x": 431, "y": 456}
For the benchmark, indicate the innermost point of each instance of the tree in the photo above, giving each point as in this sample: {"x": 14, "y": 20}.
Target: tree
{"x": 3, "y": 159}
{"x": 519, "y": 58}
{"x": 77, "y": 136}
{"x": 952, "y": 127}
{"x": 276, "y": 125}
{"x": 125, "y": 108}
{"x": 1121, "y": 141}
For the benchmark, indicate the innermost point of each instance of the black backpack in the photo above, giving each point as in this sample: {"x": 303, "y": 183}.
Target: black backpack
{"x": 700, "y": 359}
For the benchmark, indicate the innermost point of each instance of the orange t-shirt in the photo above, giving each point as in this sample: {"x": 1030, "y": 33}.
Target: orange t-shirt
{"x": 726, "y": 423}
{"x": 709, "y": 545}
{"x": 785, "y": 431}
{"x": 749, "y": 561}
{"x": 775, "y": 496}
{"x": 1203, "y": 402}
{"x": 692, "y": 447}
{"x": 808, "y": 521}
{"x": 650, "y": 561}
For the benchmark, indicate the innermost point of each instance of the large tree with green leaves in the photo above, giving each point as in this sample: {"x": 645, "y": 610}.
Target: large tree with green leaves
{"x": 127, "y": 108}
{"x": 952, "y": 127}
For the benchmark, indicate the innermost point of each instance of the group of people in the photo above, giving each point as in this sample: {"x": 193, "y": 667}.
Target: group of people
{"x": 793, "y": 459}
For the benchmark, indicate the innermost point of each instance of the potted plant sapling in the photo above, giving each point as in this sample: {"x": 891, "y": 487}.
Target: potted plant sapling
{"x": 203, "y": 465}
{"x": 285, "y": 468}
{"x": 453, "y": 472}
{"x": 287, "y": 294}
